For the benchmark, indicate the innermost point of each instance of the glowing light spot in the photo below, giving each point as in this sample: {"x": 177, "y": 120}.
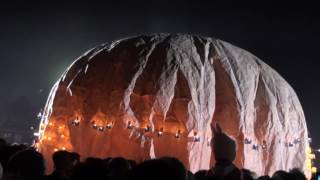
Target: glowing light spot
{"x": 178, "y": 134}
{"x": 147, "y": 128}
{"x": 196, "y": 137}
{"x": 129, "y": 126}
{"x": 308, "y": 150}
{"x": 311, "y": 156}
{"x": 75, "y": 122}
{"x": 309, "y": 165}
{"x": 109, "y": 125}
{"x": 101, "y": 128}
{"x": 308, "y": 161}
{"x": 263, "y": 146}
{"x": 160, "y": 132}
{"x": 42, "y": 126}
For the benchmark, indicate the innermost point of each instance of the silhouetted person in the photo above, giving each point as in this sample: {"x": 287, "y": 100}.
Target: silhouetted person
{"x": 3, "y": 142}
{"x": 75, "y": 158}
{"x": 63, "y": 162}
{"x": 177, "y": 166}
{"x": 7, "y": 150}
{"x": 118, "y": 168}
{"x": 201, "y": 174}
{"x": 265, "y": 177}
{"x": 247, "y": 174}
{"x": 281, "y": 175}
{"x": 92, "y": 168}
{"x": 132, "y": 163}
{"x": 190, "y": 176}
{"x": 296, "y": 174}
{"x": 157, "y": 169}
{"x": 25, "y": 165}
{"x": 224, "y": 151}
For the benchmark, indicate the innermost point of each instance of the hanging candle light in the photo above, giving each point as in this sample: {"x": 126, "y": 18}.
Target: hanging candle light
{"x": 160, "y": 132}
{"x": 129, "y": 126}
{"x": 94, "y": 125}
{"x": 178, "y": 134}
{"x": 255, "y": 147}
{"x": 247, "y": 141}
{"x": 290, "y": 144}
{"x": 75, "y": 122}
{"x": 100, "y": 128}
{"x": 147, "y": 128}
{"x": 208, "y": 141}
{"x": 196, "y": 137}
{"x": 109, "y": 125}
{"x": 264, "y": 145}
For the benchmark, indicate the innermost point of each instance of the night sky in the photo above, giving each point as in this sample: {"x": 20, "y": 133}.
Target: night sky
{"x": 39, "y": 41}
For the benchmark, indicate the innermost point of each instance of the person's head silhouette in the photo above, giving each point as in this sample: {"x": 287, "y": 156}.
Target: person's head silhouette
{"x": 26, "y": 164}
{"x": 223, "y": 146}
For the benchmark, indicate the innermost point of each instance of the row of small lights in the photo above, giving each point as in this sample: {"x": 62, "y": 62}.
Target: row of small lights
{"x": 264, "y": 146}
{"x": 146, "y": 129}
{"x": 178, "y": 134}
{"x": 109, "y": 126}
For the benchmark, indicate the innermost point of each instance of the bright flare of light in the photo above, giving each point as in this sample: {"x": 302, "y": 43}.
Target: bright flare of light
{"x": 196, "y": 137}
{"x": 308, "y": 150}
{"x": 160, "y": 132}
{"x": 109, "y": 125}
{"x": 178, "y": 134}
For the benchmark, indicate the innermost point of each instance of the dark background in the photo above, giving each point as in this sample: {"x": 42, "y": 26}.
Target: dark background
{"x": 39, "y": 40}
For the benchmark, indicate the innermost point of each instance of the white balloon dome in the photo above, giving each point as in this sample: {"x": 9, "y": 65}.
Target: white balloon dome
{"x": 156, "y": 95}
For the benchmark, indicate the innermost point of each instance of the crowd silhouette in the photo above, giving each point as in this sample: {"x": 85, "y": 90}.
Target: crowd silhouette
{"x": 20, "y": 162}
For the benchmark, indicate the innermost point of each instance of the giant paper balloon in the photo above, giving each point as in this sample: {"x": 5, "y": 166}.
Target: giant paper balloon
{"x": 156, "y": 95}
